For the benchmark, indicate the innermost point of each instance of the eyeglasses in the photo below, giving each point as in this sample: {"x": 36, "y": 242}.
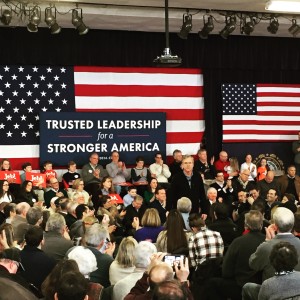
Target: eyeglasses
{"x": 16, "y": 263}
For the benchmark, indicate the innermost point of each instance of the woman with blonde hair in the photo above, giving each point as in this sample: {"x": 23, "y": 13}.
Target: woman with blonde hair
{"x": 123, "y": 264}
{"x": 78, "y": 189}
{"x": 151, "y": 226}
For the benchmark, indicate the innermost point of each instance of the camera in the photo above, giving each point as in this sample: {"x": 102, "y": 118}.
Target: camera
{"x": 173, "y": 258}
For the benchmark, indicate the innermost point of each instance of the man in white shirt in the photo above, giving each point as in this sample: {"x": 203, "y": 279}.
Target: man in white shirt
{"x": 160, "y": 171}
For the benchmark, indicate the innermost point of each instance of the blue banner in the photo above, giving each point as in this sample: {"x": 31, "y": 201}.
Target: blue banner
{"x": 74, "y": 136}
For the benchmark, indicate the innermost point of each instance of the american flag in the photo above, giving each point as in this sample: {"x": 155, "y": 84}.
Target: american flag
{"x": 260, "y": 112}
{"x": 25, "y": 91}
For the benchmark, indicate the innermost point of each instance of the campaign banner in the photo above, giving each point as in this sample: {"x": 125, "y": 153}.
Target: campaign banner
{"x": 10, "y": 176}
{"x": 74, "y": 136}
{"x": 38, "y": 179}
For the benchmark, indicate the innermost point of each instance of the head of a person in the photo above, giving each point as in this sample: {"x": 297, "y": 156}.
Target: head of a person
{"x": 263, "y": 162}
{"x": 47, "y": 165}
{"x": 142, "y": 254}
{"x": 115, "y": 156}
{"x": 140, "y": 162}
{"x": 63, "y": 203}
{"x": 85, "y": 260}
{"x": 254, "y": 220}
{"x": 10, "y": 210}
{"x": 187, "y": 163}
{"x": 248, "y": 158}
{"x": 81, "y": 211}
{"x": 34, "y": 236}
{"x": 169, "y": 290}
{"x": 9, "y": 232}
{"x": 10, "y": 258}
{"x": 73, "y": 287}
{"x": 137, "y": 202}
{"x": 258, "y": 205}
{"x": 244, "y": 175}
{"x": 177, "y": 155}
{"x": 184, "y": 205}
{"x": 94, "y": 158}
{"x": 72, "y": 166}
{"x": 219, "y": 176}
{"x": 234, "y": 163}
{"x": 26, "y": 186}
{"x": 212, "y": 194}
{"x": 54, "y": 183}
{"x": 174, "y": 223}
{"x": 283, "y": 219}
{"x": 158, "y": 157}
{"x": 223, "y": 156}
{"x": 202, "y": 154}
{"x": 270, "y": 176}
{"x": 95, "y": 236}
{"x": 254, "y": 193}
{"x": 160, "y": 273}
{"x": 5, "y": 164}
{"x": 4, "y": 187}
{"x": 106, "y": 183}
{"x": 242, "y": 197}
{"x": 196, "y": 222}
{"x": 221, "y": 211}
{"x": 56, "y": 223}
{"x": 160, "y": 194}
{"x": 151, "y": 218}
{"x": 132, "y": 191}
{"x": 78, "y": 198}
{"x": 34, "y": 216}
{"x": 22, "y": 209}
{"x": 78, "y": 184}
{"x": 288, "y": 198}
{"x": 272, "y": 196}
{"x": 26, "y": 167}
{"x": 49, "y": 286}
{"x": 291, "y": 171}
{"x": 125, "y": 255}
{"x": 152, "y": 184}
{"x": 283, "y": 257}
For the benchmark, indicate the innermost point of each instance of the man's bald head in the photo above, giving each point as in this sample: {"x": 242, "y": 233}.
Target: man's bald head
{"x": 160, "y": 273}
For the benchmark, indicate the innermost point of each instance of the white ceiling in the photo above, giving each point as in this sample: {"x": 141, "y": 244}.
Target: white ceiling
{"x": 142, "y": 15}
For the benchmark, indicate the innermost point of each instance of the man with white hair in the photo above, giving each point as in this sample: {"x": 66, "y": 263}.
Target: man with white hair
{"x": 143, "y": 252}
{"x": 184, "y": 206}
{"x": 283, "y": 225}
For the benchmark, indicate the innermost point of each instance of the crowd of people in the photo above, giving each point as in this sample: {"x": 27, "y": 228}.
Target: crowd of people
{"x": 193, "y": 229}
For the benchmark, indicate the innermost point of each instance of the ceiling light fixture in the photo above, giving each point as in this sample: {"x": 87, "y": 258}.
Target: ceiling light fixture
{"x": 50, "y": 20}
{"x": 248, "y": 27}
{"x": 186, "y": 26}
{"x": 34, "y": 19}
{"x": 229, "y": 27}
{"x": 283, "y": 6}
{"x": 274, "y": 25}
{"x": 78, "y": 23}
{"x": 6, "y": 16}
{"x": 207, "y": 28}
{"x": 295, "y": 28}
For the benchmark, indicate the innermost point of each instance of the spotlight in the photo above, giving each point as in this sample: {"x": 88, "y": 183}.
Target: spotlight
{"x": 207, "y": 28}
{"x": 229, "y": 27}
{"x": 78, "y": 23}
{"x": 248, "y": 27}
{"x": 186, "y": 26}
{"x": 294, "y": 29}
{"x": 6, "y": 16}
{"x": 50, "y": 20}
{"x": 273, "y": 27}
{"x": 34, "y": 19}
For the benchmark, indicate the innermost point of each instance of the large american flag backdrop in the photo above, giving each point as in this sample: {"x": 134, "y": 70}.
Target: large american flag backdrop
{"x": 25, "y": 91}
{"x": 260, "y": 112}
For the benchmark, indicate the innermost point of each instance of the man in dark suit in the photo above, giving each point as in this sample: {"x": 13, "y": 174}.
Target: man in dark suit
{"x": 187, "y": 184}
{"x": 160, "y": 203}
{"x": 224, "y": 188}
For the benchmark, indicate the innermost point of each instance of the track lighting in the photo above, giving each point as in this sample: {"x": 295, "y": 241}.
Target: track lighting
{"x": 6, "y": 16}
{"x": 248, "y": 27}
{"x": 78, "y": 23}
{"x": 34, "y": 19}
{"x": 186, "y": 26}
{"x": 50, "y": 20}
{"x": 207, "y": 28}
{"x": 295, "y": 28}
{"x": 229, "y": 27}
{"x": 273, "y": 27}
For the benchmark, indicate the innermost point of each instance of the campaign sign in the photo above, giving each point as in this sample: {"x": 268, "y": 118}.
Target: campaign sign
{"x": 116, "y": 198}
{"x": 10, "y": 176}
{"x": 36, "y": 178}
{"x": 74, "y": 136}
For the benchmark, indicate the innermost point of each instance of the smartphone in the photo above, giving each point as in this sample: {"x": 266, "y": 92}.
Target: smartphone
{"x": 173, "y": 258}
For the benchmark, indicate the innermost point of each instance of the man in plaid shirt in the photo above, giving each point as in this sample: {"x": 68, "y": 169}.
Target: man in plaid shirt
{"x": 204, "y": 243}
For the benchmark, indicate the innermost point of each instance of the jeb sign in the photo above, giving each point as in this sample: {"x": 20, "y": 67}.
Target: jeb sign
{"x": 74, "y": 136}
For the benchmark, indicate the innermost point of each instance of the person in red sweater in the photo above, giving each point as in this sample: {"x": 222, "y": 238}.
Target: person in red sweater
{"x": 222, "y": 164}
